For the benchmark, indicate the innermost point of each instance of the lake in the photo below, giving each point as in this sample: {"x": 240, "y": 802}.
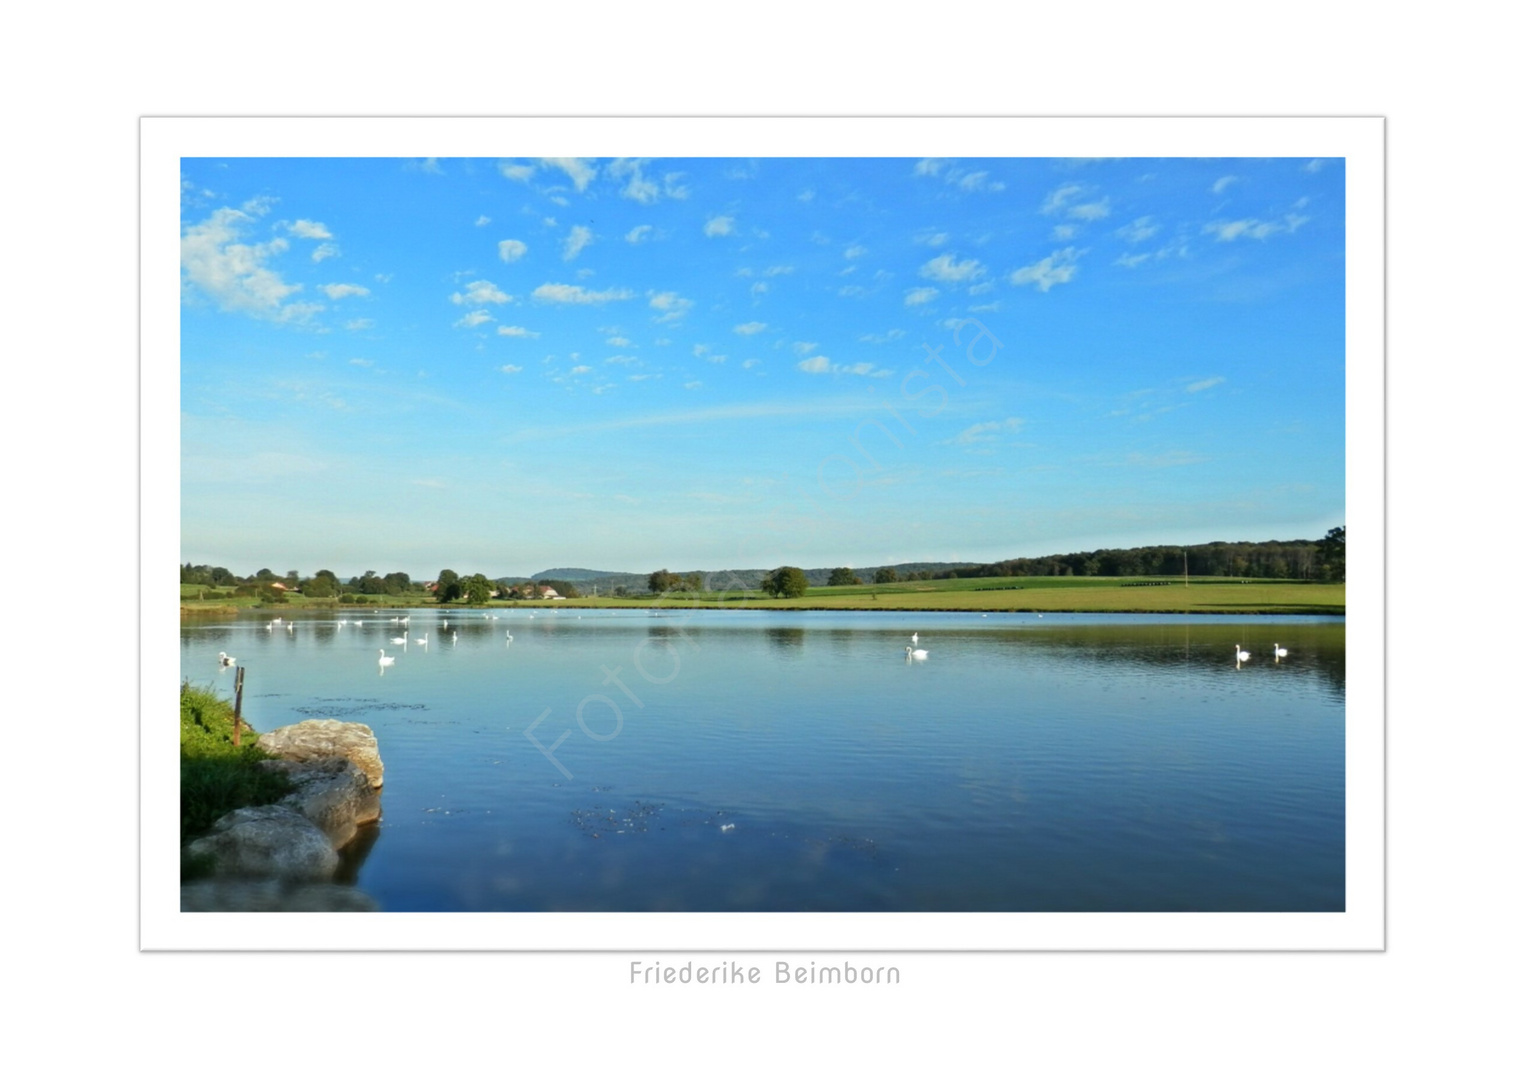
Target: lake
{"x": 800, "y": 761}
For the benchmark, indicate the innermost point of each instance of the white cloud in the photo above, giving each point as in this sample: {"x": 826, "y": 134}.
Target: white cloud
{"x": 1057, "y": 268}
{"x": 776, "y": 271}
{"x": 963, "y": 179}
{"x": 325, "y": 251}
{"x": 853, "y": 290}
{"x": 1314, "y": 165}
{"x": 1093, "y": 211}
{"x": 804, "y": 347}
{"x": 1204, "y": 384}
{"x": 977, "y": 181}
{"x": 758, "y": 288}
{"x": 581, "y": 369}
{"x": 483, "y": 219}
{"x": 644, "y": 376}
{"x": 1253, "y": 229}
{"x": 695, "y": 385}
{"x": 511, "y": 369}
{"x": 310, "y": 230}
{"x": 750, "y": 328}
{"x": 749, "y": 365}
{"x": 821, "y": 365}
{"x": 989, "y": 432}
{"x": 720, "y": 225}
{"x": 622, "y": 360}
{"x": 858, "y": 251}
{"x": 339, "y": 292}
{"x": 883, "y": 339}
{"x": 1219, "y": 186}
{"x": 1057, "y": 200}
{"x": 640, "y": 233}
{"x": 1063, "y": 232}
{"x": 517, "y": 171}
{"x": 234, "y": 275}
{"x": 673, "y": 188}
{"x": 945, "y": 268}
{"x": 618, "y": 341}
{"x": 938, "y": 239}
{"x": 517, "y": 331}
{"x": 360, "y": 324}
{"x": 473, "y": 318}
{"x": 481, "y": 292}
{"x": 358, "y": 362}
{"x": 673, "y": 306}
{"x": 919, "y": 296}
{"x": 1141, "y": 228}
{"x": 578, "y": 238}
{"x": 638, "y": 187}
{"x": 1131, "y": 261}
{"x": 577, "y": 294}
{"x": 510, "y": 250}
{"x": 579, "y": 170}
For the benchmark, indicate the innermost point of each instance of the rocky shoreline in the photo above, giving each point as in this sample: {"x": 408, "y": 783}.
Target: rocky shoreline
{"x": 285, "y": 856}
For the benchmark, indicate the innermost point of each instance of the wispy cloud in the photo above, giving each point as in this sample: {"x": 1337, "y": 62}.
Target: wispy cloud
{"x": 720, "y": 225}
{"x": 986, "y": 434}
{"x": 576, "y": 294}
{"x": 481, "y": 292}
{"x": 339, "y": 291}
{"x": 1204, "y": 384}
{"x": 919, "y": 296}
{"x": 1063, "y": 201}
{"x": 580, "y": 170}
{"x": 216, "y": 262}
{"x": 1142, "y": 228}
{"x": 310, "y": 230}
{"x": 510, "y": 250}
{"x": 511, "y": 369}
{"x": 639, "y": 234}
{"x": 856, "y": 251}
{"x": 473, "y": 318}
{"x": 578, "y": 238}
{"x": 821, "y": 365}
{"x": 672, "y": 306}
{"x": 517, "y": 331}
{"x": 325, "y": 251}
{"x": 1219, "y": 186}
{"x": 883, "y": 339}
{"x": 749, "y": 328}
{"x": 945, "y": 268}
{"x": 1254, "y": 229}
{"x": 1057, "y": 268}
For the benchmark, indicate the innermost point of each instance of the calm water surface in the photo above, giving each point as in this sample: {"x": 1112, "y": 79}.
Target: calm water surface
{"x": 761, "y": 761}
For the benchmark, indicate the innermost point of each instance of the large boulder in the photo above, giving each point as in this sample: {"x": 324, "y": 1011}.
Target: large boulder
{"x": 275, "y": 842}
{"x": 332, "y": 793}
{"x": 318, "y": 740}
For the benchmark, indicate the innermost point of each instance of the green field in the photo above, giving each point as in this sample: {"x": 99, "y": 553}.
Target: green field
{"x": 1206, "y": 595}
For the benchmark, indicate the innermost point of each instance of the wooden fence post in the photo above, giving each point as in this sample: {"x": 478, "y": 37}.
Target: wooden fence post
{"x": 238, "y": 704}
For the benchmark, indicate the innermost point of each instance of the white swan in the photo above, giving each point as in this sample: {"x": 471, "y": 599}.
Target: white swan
{"x": 915, "y": 638}
{"x": 1278, "y": 653}
{"x": 224, "y": 660}
{"x": 383, "y": 660}
{"x": 400, "y": 641}
{"x": 425, "y": 641}
{"x": 1242, "y": 654}
{"x": 508, "y": 637}
{"x": 916, "y": 654}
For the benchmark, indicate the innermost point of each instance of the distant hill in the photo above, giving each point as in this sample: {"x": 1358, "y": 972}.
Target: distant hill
{"x": 576, "y": 574}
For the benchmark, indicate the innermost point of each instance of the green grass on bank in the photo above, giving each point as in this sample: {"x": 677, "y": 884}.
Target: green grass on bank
{"x": 1208, "y": 595}
{"x": 215, "y": 775}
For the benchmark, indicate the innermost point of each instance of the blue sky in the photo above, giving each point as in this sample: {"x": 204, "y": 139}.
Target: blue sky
{"x": 509, "y": 365}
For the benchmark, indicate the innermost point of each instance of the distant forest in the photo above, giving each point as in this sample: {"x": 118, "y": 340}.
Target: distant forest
{"x": 1308, "y": 560}
{"x": 1305, "y": 560}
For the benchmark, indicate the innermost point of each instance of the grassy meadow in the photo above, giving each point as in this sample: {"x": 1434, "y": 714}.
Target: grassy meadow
{"x": 1209, "y": 595}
